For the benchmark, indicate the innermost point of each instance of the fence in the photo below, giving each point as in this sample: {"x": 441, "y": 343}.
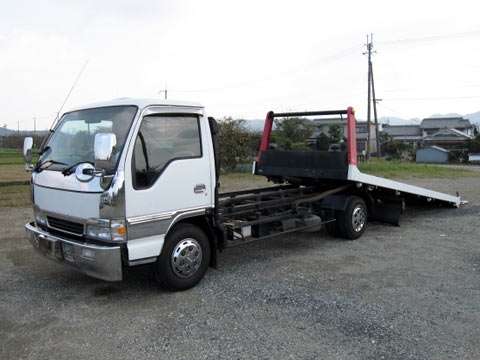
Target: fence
{"x": 16, "y": 141}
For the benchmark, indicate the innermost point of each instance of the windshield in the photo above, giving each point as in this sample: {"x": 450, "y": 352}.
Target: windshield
{"x": 72, "y": 141}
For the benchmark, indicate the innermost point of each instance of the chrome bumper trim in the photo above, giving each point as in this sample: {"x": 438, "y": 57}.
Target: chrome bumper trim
{"x": 102, "y": 262}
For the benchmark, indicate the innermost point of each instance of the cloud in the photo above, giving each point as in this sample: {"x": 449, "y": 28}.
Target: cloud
{"x": 239, "y": 58}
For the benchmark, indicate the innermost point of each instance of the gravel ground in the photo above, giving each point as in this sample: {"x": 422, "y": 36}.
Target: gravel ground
{"x": 408, "y": 292}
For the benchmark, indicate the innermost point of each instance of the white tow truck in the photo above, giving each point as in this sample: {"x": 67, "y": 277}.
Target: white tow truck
{"x": 136, "y": 181}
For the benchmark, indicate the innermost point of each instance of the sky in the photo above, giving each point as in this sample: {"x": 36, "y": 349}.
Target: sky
{"x": 239, "y": 58}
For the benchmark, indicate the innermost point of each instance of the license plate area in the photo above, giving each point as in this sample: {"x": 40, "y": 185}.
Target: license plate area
{"x": 52, "y": 249}
{"x": 68, "y": 252}
{"x": 44, "y": 246}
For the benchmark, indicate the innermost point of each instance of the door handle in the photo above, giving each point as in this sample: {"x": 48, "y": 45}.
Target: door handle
{"x": 199, "y": 188}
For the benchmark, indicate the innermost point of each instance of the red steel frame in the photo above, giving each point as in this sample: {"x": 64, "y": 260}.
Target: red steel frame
{"x": 267, "y": 131}
{"x": 351, "y": 135}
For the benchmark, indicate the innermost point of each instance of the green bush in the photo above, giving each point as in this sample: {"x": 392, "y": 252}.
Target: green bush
{"x": 237, "y": 144}
{"x": 292, "y": 133}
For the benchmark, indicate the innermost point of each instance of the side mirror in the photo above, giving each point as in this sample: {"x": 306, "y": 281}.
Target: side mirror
{"x": 104, "y": 145}
{"x": 27, "y": 149}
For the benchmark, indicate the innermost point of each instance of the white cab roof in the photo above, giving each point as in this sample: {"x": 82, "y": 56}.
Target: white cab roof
{"x": 140, "y": 102}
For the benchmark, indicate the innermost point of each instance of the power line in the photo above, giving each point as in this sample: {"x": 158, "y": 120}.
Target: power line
{"x": 431, "y": 38}
{"x": 301, "y": 68}
{"x": 325, "y": 59}
{"x": 432, "y": 98}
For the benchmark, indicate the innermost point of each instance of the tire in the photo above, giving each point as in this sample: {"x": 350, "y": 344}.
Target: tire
{"x": 352, "y": 222}
{"x": 184, "y": 258}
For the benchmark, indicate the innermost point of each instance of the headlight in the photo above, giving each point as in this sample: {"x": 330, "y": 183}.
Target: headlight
{"x": 99, "y": 231}
{"x": 113, "y": 230}
{"x": 40, "y": 218}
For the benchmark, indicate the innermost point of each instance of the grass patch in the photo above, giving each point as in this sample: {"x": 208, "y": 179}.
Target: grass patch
{"x": 15, "y": 196}
{"x": 9, "y": 151}
{"x": 241, "y": 181}
{"x": 13, "y": 172}
{"x": 400, "y": 169}
{"x": 14, "y": 156}
{"x": 10, "y": 160}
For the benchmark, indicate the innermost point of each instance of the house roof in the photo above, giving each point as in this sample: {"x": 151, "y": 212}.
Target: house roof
{"x": 434, "y": 148}
{"x": 439, "y": 123}
{"x": 329, "y": 121}
{"x": 438, "y": 148}
{"x": 402, "y": 130}
{"x": 448, "y": 134}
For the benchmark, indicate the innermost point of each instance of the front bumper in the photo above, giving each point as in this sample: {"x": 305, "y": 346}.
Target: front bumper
{"x": 102, "y": 262}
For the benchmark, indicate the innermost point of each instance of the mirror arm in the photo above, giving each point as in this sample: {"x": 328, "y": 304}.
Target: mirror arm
{"x": 96, "y": 173}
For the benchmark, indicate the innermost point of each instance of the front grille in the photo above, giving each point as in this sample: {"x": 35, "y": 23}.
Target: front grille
{"x": 65, "y": 225}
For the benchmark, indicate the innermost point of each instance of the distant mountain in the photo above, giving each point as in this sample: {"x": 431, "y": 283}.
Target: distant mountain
{"x": 254, "y": 125}
{"x": 473, "y": 117}
{"x": 8, "y": 132}
{"x": 5, "y": 131}
{"x": 392, "y": 120}
{"x": 445, "y": 115}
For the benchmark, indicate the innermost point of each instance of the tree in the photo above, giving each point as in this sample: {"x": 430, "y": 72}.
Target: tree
{"x": 395, "y": 149}
{"x": 335, "y": 133}
{"x": 292, "y": 133}
{"x": 322, "y": 142}
{"x": 234, "y": 142}
{"x": 473, "y": 145}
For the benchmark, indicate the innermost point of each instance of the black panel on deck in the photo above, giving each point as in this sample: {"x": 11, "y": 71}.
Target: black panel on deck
{"x": 303, "y": 164}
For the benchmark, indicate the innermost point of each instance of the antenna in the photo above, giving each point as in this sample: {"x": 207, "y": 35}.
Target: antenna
{"x": 71, "y": 90}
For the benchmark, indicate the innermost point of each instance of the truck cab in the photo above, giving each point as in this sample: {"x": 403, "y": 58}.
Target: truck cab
{"x": 114, "y": 178}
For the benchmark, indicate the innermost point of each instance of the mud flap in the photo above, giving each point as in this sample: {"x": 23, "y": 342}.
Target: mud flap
{"x": 387, "y": 212}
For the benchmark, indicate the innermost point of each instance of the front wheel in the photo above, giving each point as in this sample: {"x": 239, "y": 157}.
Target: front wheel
{"x": 352, "y": 222}
{"x": 184, "y": 259}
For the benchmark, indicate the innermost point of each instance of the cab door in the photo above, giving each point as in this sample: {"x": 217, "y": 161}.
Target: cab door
{"x": 169, "y": 171}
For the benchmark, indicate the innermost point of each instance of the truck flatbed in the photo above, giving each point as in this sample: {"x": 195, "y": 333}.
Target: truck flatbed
{"x": 354, "y": 174}
{"x": 307, "y": 167}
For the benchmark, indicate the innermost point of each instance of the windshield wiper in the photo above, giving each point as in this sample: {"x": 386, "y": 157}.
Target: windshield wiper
{"x": 46, "y": 164}
{"x": 71, "y": 169}
{"x": 44, "y": 150}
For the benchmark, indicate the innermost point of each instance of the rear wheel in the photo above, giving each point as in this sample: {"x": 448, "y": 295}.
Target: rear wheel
{"x": 352, "y": 222}
{"x": 184, "y": 259}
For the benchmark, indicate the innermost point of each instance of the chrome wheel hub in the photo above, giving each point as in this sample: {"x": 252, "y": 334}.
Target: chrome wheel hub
{"x": 186, "y": 258}
{"x": 359, "y": 218}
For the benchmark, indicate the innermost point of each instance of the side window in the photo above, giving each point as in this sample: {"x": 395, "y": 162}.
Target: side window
{"x": 161, "y": 140}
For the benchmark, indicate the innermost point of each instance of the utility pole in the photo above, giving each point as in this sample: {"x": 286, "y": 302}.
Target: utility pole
{"x": 18, "y": 127}
{"x": 165, "y": 91}
{"x": 34, "y": 126}
{"x": 377, "y": 137}
{"x": 369, "y": 53}
{"x": 371, "y": 90}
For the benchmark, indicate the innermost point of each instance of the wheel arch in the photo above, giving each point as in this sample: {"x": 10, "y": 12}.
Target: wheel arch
{"x": 203, "y": 222}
